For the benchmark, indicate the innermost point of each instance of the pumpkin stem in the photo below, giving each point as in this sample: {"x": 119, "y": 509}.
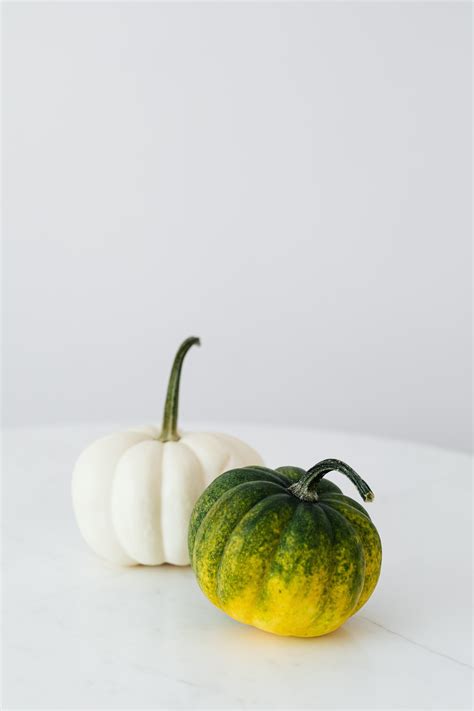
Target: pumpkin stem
{"x": 305, "y": 488}
{"x": 169, "y": 430}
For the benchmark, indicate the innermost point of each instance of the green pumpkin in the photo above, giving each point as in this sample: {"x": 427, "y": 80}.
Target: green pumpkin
{"x": 285, "y": 550}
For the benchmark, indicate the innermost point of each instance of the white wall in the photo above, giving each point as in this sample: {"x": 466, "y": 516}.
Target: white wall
{"x": 291, "y": 182}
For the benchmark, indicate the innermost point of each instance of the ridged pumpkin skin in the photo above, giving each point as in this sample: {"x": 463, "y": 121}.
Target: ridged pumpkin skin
{"x": 285, "y": 565}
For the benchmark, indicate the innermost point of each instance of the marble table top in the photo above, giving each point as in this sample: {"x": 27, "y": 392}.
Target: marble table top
{"x": 82, "y": 634}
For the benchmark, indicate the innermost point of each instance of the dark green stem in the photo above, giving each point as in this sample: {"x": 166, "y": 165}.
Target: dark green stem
{"x": 169, "y": 428}
{"x": 305, "y": 488}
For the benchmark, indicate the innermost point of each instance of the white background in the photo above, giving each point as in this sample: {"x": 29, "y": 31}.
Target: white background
{"x": 291, "y": 182}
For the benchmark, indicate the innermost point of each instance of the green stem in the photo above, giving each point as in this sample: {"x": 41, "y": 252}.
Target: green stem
{"x": 169, "y": 428}
{"x": 305, "y": 488}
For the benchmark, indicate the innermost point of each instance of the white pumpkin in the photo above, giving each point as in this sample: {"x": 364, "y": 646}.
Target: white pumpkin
{"x": 133, "y": 492}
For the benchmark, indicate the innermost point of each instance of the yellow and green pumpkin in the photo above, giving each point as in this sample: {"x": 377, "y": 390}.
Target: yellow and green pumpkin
{"x": 285, "y": 550}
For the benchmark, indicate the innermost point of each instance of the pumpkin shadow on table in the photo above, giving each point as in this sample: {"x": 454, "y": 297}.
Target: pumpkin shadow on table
{"x": 232, "y": 635}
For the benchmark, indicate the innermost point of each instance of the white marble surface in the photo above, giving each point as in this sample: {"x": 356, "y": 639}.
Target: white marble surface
{"x": 81, "y": 634}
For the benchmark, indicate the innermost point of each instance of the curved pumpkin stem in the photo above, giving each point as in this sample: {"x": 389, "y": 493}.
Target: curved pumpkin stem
{"x": 169, "y": 428}
{"x": 305, "y": 488}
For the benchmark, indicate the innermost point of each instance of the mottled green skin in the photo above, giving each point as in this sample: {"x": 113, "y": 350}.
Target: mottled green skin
{"x": 288, "y": 566}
